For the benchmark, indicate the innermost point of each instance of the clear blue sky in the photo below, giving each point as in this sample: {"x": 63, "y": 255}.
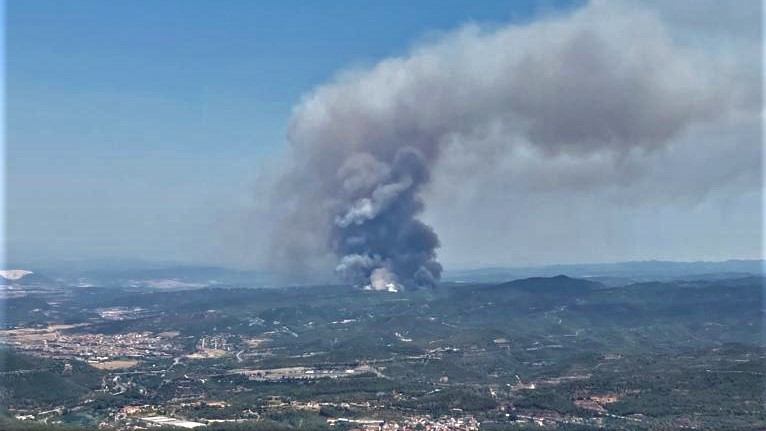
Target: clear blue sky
{"x": 133, "y": 124}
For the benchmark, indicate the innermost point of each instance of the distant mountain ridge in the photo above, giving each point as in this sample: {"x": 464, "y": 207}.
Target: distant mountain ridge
{"x": 556, "y": 283}
{"x": 14, "y": 274}
{"x": 21, "y": 277}
{"x": 628, "y": 271}
{"x": 164, "y": 275}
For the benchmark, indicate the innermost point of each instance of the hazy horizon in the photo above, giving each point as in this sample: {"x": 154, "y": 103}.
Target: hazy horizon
{"x": 106, "y": 264}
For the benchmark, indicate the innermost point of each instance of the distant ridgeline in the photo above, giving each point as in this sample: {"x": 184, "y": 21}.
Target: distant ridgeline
{"x": 616, "y": 273}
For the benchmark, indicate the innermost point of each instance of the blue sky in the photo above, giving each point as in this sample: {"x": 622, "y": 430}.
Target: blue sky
{"x": 135, "y": 128}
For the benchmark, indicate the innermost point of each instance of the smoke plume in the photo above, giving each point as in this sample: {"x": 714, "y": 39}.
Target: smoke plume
{"x": 606, "y": 79}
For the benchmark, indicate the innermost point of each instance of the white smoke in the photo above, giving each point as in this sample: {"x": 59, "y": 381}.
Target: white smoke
{"x": 383, "y": 279}
{"x": 606, "y": 80}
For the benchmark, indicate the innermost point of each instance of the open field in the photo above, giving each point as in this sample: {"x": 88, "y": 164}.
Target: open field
{"x": 114, "y": 365}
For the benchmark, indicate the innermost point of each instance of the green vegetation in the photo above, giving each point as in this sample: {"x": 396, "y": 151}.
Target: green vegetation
{"x": 670, "y": 354}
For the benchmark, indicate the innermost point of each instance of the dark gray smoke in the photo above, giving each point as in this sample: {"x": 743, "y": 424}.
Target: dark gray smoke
{"x": 606, "y": 79}
{"x": 381, "y": 242}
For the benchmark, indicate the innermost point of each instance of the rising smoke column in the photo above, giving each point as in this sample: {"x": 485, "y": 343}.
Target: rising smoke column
{"x": 376, "y": 232}
{"x": 606, "y": 79}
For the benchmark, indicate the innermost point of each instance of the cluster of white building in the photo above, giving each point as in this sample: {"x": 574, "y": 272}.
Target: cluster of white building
{"x": 445, "y": 423}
